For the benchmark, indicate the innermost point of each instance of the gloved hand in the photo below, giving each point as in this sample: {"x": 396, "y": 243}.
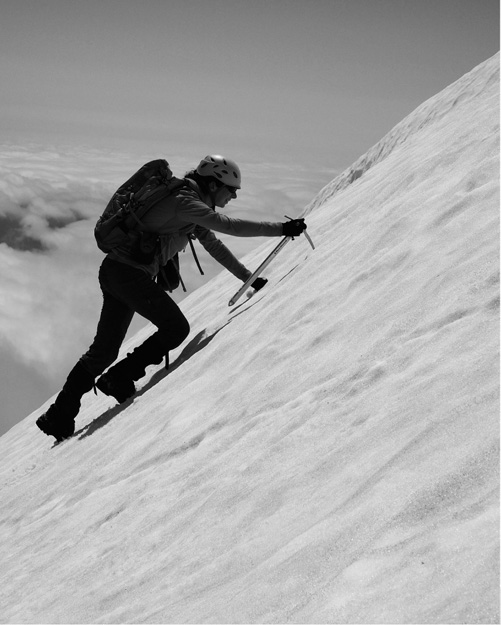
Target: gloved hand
{"x": 294, "y": 227}
{"x": 258, "y": 283}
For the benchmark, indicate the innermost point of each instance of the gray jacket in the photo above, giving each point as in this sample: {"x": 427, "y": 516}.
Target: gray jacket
{"x": 186, "y": 213}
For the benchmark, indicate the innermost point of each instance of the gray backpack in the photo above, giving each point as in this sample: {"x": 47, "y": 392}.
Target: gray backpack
{"x": 131, "y": 201}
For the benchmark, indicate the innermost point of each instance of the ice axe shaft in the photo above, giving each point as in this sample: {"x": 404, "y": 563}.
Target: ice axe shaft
{"x": 258, "y": 271}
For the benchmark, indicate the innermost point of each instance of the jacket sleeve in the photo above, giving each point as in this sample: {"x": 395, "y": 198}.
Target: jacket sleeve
{"x": 191, "y": 209}
{"x": 218, "y": 250}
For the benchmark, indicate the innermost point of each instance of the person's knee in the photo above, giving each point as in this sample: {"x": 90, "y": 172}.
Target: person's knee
{"x": 182, "y": 330}
{"x": 175, "y": 332}
{"x": 185, "y": 329}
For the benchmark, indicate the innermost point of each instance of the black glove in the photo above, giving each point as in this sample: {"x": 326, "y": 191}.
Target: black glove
{"x": 258, "y": 283}
{"x": 294, "y": 227}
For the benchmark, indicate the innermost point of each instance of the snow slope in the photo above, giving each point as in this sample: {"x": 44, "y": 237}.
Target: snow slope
{"x": 324, "y": 452}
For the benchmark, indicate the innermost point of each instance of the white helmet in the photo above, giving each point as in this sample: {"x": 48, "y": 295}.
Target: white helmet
{"x": 224, "y": 169}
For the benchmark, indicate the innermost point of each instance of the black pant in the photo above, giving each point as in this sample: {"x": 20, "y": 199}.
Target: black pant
{"x": 127, "y": 290}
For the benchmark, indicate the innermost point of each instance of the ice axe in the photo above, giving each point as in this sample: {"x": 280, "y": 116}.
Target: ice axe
{"x": 265, "y": 264}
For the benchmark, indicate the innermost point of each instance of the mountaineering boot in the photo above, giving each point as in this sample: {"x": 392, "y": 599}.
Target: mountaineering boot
{"x": 59, "y": 420}
{"x": 54, "y": 423}
{"x": 117, "y": 384}
{"x": 118, "y": 381}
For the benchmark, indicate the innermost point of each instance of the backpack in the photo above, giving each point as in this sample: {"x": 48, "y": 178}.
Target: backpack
{"x": 131, "y": 201}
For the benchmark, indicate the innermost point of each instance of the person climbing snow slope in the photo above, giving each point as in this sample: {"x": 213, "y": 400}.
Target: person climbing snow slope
{"x": 130, "y": 278}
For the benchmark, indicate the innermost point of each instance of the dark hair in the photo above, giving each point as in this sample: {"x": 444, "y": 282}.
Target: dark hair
{"x": 202, "y": 181}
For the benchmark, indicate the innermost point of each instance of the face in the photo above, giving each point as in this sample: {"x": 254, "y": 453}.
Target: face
{"x": 223, "y": 195}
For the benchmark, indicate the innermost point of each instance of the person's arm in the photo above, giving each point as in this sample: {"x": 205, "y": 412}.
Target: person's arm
{"x": 192, "y": 210}
{"x": 218, "y": 250}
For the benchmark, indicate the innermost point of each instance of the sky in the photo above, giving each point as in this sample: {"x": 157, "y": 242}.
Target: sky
{"x": 326, "y": 451}
{"x": 293, "y": 91}
{"x": 319, "y": 81}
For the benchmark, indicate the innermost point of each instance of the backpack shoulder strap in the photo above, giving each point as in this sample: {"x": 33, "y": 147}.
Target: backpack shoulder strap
{"x": 190, "y": 239}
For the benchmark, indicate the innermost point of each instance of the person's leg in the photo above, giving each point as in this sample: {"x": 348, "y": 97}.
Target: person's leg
{"x": 112, "y": 327}
{"x": 134, "y": 288}
{"x": 141, "y": 294}
{"x": 59, "y": 420}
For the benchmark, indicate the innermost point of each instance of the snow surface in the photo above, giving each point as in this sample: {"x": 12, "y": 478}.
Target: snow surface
{"x": 324, "y": 452}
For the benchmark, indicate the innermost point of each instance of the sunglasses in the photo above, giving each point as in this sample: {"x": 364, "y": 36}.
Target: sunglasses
{"x": 231, "y": 189}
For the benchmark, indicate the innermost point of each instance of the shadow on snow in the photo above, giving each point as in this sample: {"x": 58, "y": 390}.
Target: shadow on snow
{"x": 199, "y": 342}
